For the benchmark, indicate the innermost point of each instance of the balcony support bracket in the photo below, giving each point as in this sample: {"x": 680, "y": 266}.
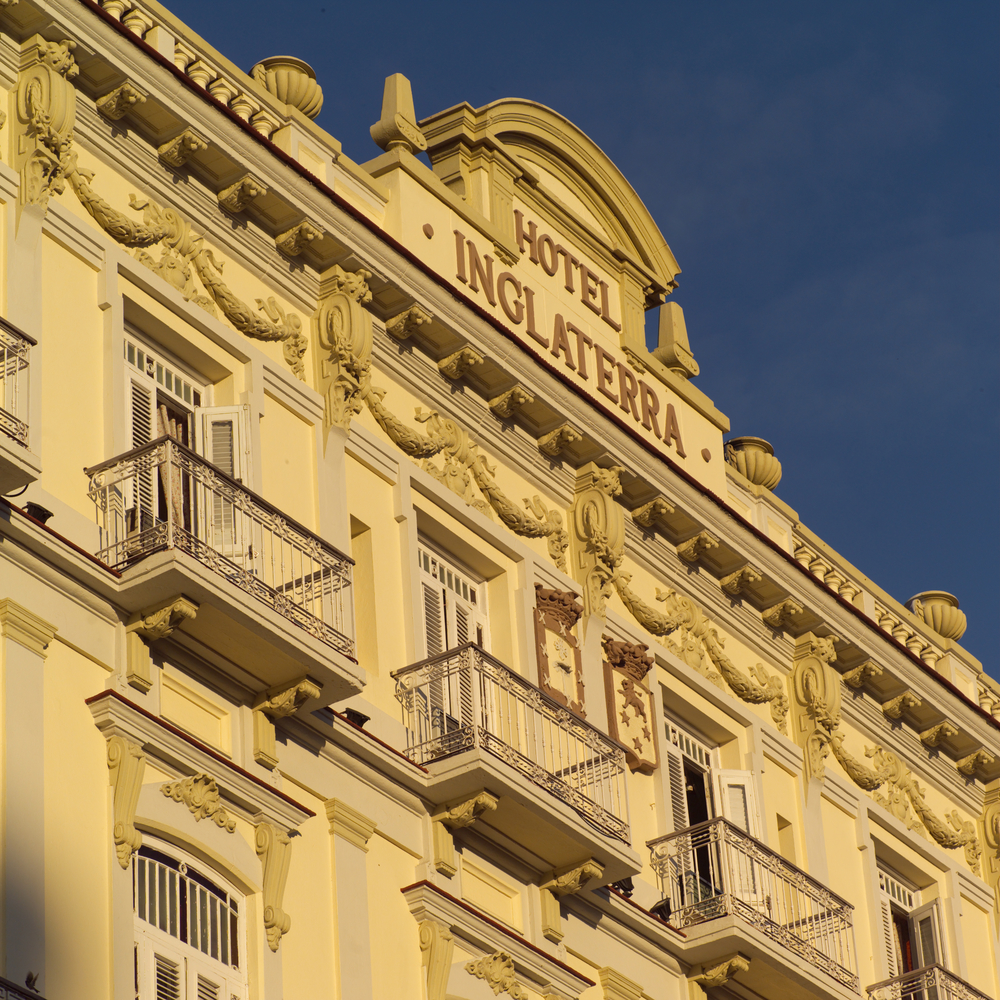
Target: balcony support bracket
{"x": 157, "y": 622}
{"x": 561, "y": 883}
{"x": 707, "y": 977}
{"x": 278, "y": 703}
{"x": 456, "y": 816}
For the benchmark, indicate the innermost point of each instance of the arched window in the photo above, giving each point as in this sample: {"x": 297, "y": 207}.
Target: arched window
{"x": 189, "y": 933}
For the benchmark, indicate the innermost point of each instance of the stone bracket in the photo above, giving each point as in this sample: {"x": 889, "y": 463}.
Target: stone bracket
{"x": 237, "y": 196}
{"x": 895, "y": 707}
{"x": 278, "y": 703}
{"x": 126, "y": 763}
{"x": 694, "y": 548}
{"x": 505, "y": 405}
{"x": 149, "y": 625}
{"x": 970, "y": 764}
{"x": 734, "y": 583}
{"x": 461, "y": 362}
{"x": 649, "y": 513}
{"x": 456, "y": 816}
{"x": 298, "y": 238}
{"x": 781, "y": 614}
{"x": 857, "y": 676}
{"x": 175, "y": 153}
{"x": 116, "y": 104}
{"x": 556, "y": 441}
{"x": 405, "y": 324}
{"x": 274, "y": 849}
{"x": 934, "y": 736}
{"x": 563, "y": 882}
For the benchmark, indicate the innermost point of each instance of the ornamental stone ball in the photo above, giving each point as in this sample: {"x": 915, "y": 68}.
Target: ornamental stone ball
{"x": 940, "y": 611}
{"x": 292, "y": 81}
{"x": 754, "y": 458}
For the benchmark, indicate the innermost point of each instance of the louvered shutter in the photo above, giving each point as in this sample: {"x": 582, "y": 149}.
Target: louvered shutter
{"x": 222, "y": 435}
{"x": 168, "y": 977}
{"x": 888, "y": 938}
{"x": 208, "y": 990}
{"x": 141, "y": 508}
{"x": 924, "y": 934}
{"x": 737, "y": 800}
{"x": 678, "y": 786}
{"x": 434, "y": 621}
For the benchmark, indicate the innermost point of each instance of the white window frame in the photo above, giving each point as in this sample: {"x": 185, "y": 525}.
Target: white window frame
{"x": 453, "y": 601}
{"x": 898, "y": 896}
{"x": 681, "y": 744}
{"x": 199, "y": 976}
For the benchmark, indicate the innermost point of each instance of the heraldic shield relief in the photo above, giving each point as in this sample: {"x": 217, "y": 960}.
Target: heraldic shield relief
{"x": 560, "y": 667}
{"x": 630, "y": 703}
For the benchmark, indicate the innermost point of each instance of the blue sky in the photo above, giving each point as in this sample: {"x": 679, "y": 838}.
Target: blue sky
{"x": 826, "y": 175}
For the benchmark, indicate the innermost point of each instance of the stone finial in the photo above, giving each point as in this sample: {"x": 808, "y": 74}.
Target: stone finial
{"x": 397, "y": 128}
{"x": 292, "y": 81}
{"x": 673, "y": 348}
{"x": 754, "y": 458}
{"x": 940, "y": 611}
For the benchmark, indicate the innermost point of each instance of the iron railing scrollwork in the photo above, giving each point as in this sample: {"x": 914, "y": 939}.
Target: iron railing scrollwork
{"x": 466, "y": 698}
{"x": 715, "y": 869}
{"x": 165, "y": 496}
{"x": 932, "y": 982}
{"x": 14, "y": 350}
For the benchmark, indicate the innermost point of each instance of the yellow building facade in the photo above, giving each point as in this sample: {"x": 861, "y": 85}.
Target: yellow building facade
{"x": 381, "y": 620}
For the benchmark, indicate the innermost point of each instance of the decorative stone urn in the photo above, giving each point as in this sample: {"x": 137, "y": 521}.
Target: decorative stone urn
{"x": 292, "y": 81}
{"x": 754, "y": 458}
{"x": 939, "y": 610}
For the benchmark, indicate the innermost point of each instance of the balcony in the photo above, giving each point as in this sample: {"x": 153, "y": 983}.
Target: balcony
{"x": 929, "y": 983}
{"x": 476, "y": 724}
{"x": 273, "y": 596}
{"x": 726, "y": 890}
{"x": 18, "y": 466}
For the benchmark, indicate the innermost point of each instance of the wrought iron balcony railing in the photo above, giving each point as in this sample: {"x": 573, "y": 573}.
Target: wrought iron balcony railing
{"x": 165, "y": 496}
{"x": 715, "y": 869}
{"x": 14, "y": 348}
{"x": 466, "y": 698}
{"x": 932, "y": 982}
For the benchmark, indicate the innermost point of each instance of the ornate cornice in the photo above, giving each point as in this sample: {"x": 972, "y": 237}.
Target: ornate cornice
{"x": 348, "y": 823}
{"x": 22, "y": 626}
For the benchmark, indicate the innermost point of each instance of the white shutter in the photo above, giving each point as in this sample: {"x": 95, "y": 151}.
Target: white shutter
{"x": 737, "y": 801}
{"x": 888, "y": 939}
{"x": 141, "y": 507}
{"x": 222, "y": 436}
{"x": 433, "y": 598}
{"x": 453, "y": 604}
{"x": 924, "y": 935}
{"x": 678, "y": 786}
{"x": 168, "y": 977}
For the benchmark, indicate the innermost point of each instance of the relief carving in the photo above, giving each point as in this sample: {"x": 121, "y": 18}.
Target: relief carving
{"x": 456, "y": 816}
{"x": 734, "y": 583}
{"x": 344, "y": 333}
{"x": 120, "y": 101}
{"x": 857, "y": 676}
{"x": 598, "y": 538}
{"x": 278, "y": 703}
{"x": 991, "y": 841}
{"x": 237, "y": 196}
{"x": 782, "y": 614}
{"x": 895, "y": 707}
{"x": 126, "y": 763}
{"x": 717, "y": 975}
{"x": 560, "y": 665}
{"x": 505, "y": 405}
{"x": 553, "y": 443}
{"x": 200, "y": 794}
{"x": 275, "y": 852}
{"x": 970, "y": 764}
{"x": 176, "y": 152}
{"x": 816, "y": 704}
{"x": 934, "y": 736}
{"x": 630, "y": 703}
{"x": 160, "y": 622}
{"x": 648, "y": 514}
{"x": 563, "y": 883}
{"x": 694, "y": 548}
{"x": 407, "y": 323}
{"x": 458, "y": 364}
{"x": 497, "y": 970}
{"x": 298, "y": 238}
{"x": 436, "y": 946}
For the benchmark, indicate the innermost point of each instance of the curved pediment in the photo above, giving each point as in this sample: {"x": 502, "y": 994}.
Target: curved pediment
{"x": 564, "y": 166}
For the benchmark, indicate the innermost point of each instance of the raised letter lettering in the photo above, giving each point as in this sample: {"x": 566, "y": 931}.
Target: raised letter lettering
{"x": 604, "y": 375}
{"x": 588, "y": 288}
{"x": 529, "y": 302}
{"x": 650, "y": 408}
{"x": 570, "y": 263}
{"x": 545, "y": 244}
{"x": 560, "y": 342}
{"x": 519, "y": 234}
{"x": 628, "y": 387}
{"x": 516, "y": 314}
{"x": 460, "y": 253}
{"x": 582, "y": 340}
{"x": 605, "y": 314}
{"x": 671, "y": 432}
{"x": 479, "y": 271}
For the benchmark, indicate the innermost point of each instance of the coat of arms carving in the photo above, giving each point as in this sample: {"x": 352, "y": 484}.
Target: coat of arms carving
{"x": 560, "y": 666}
{"x": 630, "y": 703}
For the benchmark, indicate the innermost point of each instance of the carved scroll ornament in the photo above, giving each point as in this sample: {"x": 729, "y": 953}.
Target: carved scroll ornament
{"x": 497, "y": 970}
{"x": 126, "y": 763}
{"x": 274, "y": 850}
{"x": 200, "y": 794}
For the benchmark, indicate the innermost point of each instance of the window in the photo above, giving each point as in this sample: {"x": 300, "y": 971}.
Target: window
{"x": 454, "y": 603}
{"x": 909, "y": 927}
{"x": 189, "y": 939}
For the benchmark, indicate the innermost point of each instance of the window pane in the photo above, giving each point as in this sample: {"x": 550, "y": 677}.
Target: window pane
{"x": 140, "y": 878}
{"x": 173, "y": 903}
{"x": 162, "y": 898}
{"x": 203, "y": 920}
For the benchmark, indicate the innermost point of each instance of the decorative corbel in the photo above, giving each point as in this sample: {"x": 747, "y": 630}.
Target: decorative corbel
{"x": 734, "y": 583}
{"x": 618, "y": 987}
{"x": 555, "y": 442}
{"x": 120, "y": 101}
{"x": 563, "y": 883}
{"x": 895, "y": 707}
{"x": 278, "y": 703}
{"x": 648, "y": 514}
{"x": 237, "y": 196}
{"x": 126, "y": 762}
{"x": 407, "y": 323}
{"x": 157, "y": 622}
{"x": 298, "y": 238}
{"x": 970, "y": 764}
{"x": 436, "y": 946}
{"x": 456, "y": 816}
{"x": 274, "y": 849}
{"x": 857, "y": 676}
{"x": 934, "y": 736}
{"x": 507, "y": 402}
{"x": 177, "y": 150}
{"x": 780, "y": 615}
{"x": 717, "y": 975}
{"x": 694, "y": 548}
{"x": 458, "y": 364}
{"x": 200, "y": 794}
{"x": 497, "y": 970}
